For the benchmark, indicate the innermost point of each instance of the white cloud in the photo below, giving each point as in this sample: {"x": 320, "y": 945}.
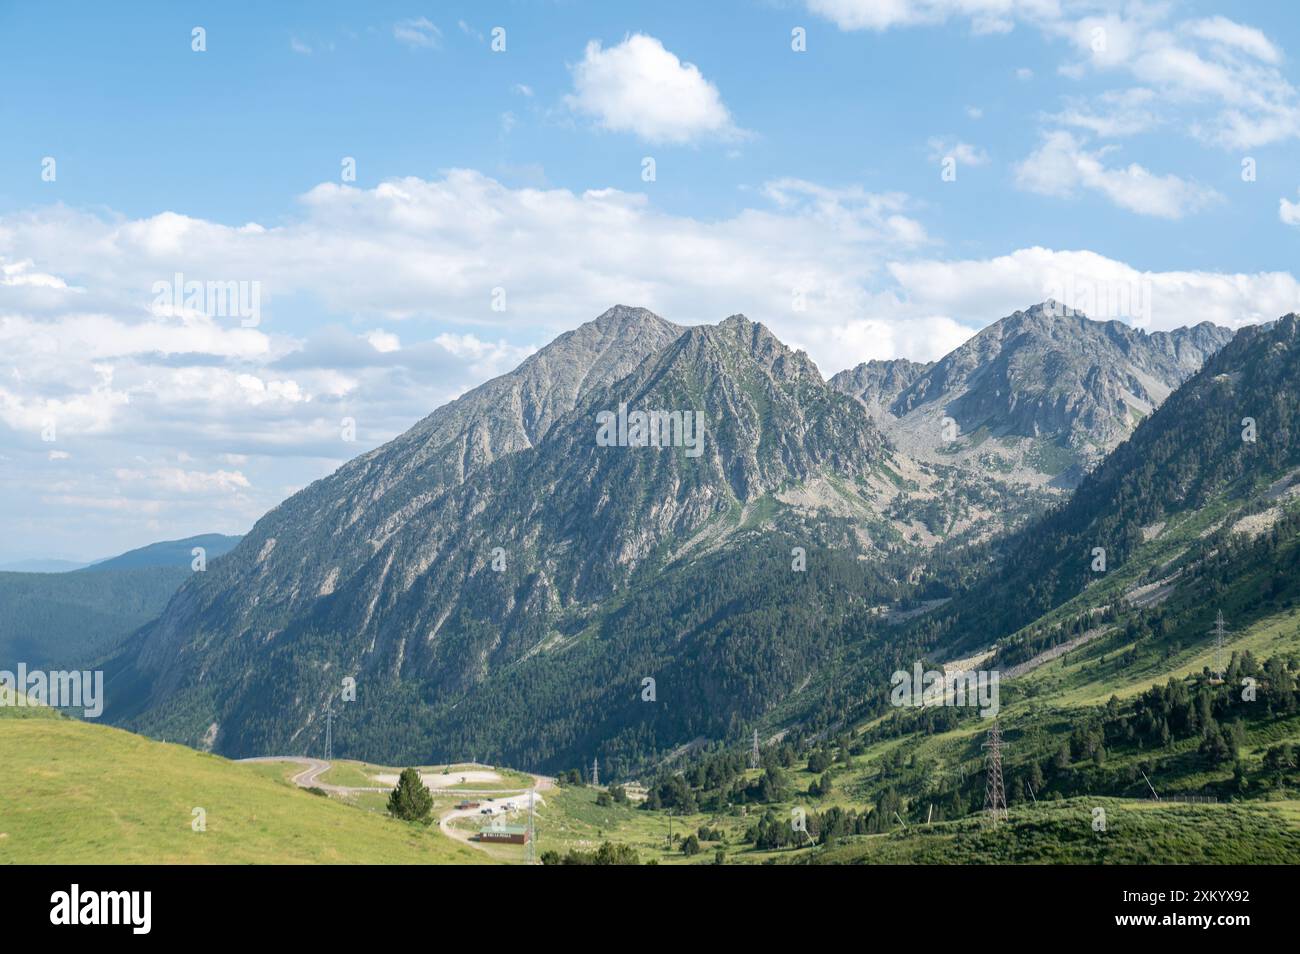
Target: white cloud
{"x": 1061, "y": 167}
{"x": 1218, "y": 79}
{"x": 1113, "y": 114}
{"x": 94, "y": 354}
{"x": 642, "y": 88}
{"x": 965, "y": 154}
{"x": 20, "y": 273}
{"x": 1249, "y": 40}
{"x": 1288, "y": 212}
{"x": 185, "y": 481}
{"x": 831, "y": 269}
{"x": 470, "y": 31}
{"x": 975, "y": 291}
{"x": 417, "y": 33}
{"x": 383, "y": 341}
{"x": 986, "y": 16}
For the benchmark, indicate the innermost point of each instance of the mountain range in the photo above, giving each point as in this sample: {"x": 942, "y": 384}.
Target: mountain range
{"x": 502, "y": 583}
{"x": 1039, "y": 396}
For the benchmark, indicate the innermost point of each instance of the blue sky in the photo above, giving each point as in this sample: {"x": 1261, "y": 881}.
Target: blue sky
{"x": 1098, "y": 151}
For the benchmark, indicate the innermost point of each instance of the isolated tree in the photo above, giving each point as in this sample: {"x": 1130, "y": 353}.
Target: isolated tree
{"x": 1035, "y": 777}
{"x": 411, "y": 800}
{"x": 691, "y": 846}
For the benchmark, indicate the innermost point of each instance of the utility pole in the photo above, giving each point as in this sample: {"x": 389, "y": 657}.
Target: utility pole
{"x": 995, "y": 797}
{"x": 754, "y": 759}
{"x": 532, "y": 826}
{"x": 1150, "y": 786}
{"x": 329, "y": 734}
{"x": 595, "y": 773}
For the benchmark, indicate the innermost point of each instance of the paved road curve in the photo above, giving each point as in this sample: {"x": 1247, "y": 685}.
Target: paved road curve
{"x": 313, "y": 769}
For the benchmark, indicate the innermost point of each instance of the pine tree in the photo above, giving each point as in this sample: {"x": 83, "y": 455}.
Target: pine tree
{"x": 411, "y": 800}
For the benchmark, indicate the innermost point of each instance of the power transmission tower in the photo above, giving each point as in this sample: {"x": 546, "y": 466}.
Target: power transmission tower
{"x": 595, "y": 772}
{"x": 1219, "y": 632}
{"x": 329, "y": 734}
{"x": 995, "y": 797}
{"x": 754, "y": 759}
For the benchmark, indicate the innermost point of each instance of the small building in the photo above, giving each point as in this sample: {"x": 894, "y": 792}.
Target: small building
{"x": 504, "y": 834}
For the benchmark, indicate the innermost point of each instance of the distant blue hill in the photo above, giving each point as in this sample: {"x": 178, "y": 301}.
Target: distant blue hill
{"x": 178, "y": 553}
{"x": 41, "y": 566}
{"x": 65, "y": 617}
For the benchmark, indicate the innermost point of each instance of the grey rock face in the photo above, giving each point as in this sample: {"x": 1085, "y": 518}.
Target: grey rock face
{"x": 385, "y": 569}
{"x": 1054, "y": 389}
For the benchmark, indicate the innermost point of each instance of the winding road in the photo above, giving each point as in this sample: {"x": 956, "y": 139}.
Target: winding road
{"x": 313, "y": 769}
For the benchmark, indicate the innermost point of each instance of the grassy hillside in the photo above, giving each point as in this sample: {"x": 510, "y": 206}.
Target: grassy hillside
{"x": 77, "y": 793}
{"x": 1137, "y": 833}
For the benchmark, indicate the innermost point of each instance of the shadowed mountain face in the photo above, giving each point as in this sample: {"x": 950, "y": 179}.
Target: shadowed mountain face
{"x": 1043, "y": 393}
{"x": 489, "y": 534}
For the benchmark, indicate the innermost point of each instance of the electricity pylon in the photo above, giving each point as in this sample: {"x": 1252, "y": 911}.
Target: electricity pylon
{"x": 995, "y": 796}
{"x": 1219, "y": 632}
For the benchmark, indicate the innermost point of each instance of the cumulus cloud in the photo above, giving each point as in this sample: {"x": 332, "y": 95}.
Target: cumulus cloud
{"x": 1219, "y": 79}
{"x": 1061, "y": 167}
{"x": 975, "y": 291}
{"x": 378, "y": 305}
{"x": 640, "y": 87}
{"x": 1288, "y": 212}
